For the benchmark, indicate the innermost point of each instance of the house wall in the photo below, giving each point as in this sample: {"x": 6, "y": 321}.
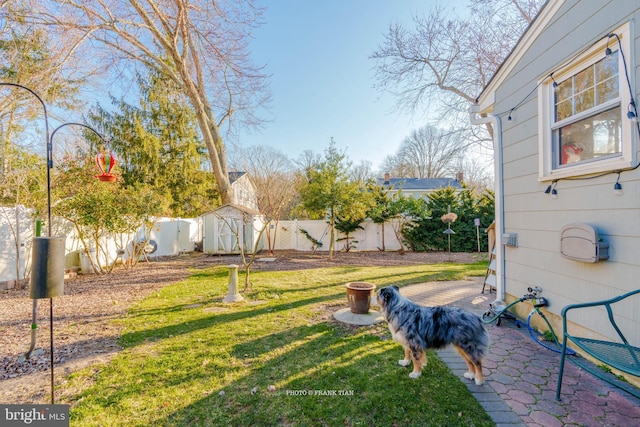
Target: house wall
{"x": 535, "y": 216}
{"x": 244, "y": 193}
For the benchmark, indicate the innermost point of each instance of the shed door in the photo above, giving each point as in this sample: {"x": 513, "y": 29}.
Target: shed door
{"x": 227, "y": 242}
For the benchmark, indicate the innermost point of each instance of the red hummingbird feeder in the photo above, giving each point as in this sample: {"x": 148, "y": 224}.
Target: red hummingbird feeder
{"x": 106, "y": 162}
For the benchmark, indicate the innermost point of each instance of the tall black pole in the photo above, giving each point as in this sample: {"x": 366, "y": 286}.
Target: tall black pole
{"x": 49, "y": 167}
{"x": 49, "y": 225}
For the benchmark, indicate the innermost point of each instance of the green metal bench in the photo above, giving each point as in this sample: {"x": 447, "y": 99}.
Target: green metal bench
{"x": 619, "y": 355}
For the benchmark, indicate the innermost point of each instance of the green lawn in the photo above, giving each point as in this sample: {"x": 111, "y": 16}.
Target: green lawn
{"x": 191, "y": 360}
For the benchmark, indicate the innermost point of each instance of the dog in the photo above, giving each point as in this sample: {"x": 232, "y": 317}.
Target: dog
{"x": 418, "y": 328}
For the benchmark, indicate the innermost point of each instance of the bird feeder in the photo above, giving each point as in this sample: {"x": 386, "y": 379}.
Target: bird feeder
{"x": 47, "y": 275}
{"x": 106, "y": 162}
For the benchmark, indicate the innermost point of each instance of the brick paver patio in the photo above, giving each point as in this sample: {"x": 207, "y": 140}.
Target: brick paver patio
{"x": 521, "y": 376}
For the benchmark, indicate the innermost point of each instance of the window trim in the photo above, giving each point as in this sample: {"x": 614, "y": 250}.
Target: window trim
{"x": 546, "y": 112}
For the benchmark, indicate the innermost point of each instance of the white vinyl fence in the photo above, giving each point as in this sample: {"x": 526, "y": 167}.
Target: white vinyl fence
{"x": 170, "y": 237}
{"x": 288, "y": 236}
{"x": 16, "y": 233}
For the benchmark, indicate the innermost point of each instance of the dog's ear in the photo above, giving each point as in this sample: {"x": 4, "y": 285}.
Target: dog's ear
{"x": 385, "y": 294}
{"x": 395, "y": 287}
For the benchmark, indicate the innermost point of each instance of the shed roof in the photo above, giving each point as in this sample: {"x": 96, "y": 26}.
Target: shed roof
{"x": 234, "y": 206}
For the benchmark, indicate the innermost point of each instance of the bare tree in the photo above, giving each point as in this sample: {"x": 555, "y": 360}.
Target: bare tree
{"x": 308, "y": 161}
{"x": 31, "y": 59}
{"x": 428, "y": 152}
{"x": 363, "y": 172}
{"x": 392, "y": 165}
{"x": 244, "y": 228}
{"x": 276, "y": 182}
{"x": 201, "y": 45}
{"x": 476, "y": 173}
{"x": 442, "y": 63}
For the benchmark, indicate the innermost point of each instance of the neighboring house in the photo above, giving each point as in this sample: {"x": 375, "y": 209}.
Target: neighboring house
{"x": 563, "y": 111}
{"x": 244, "y": 192}
{"x": 418, "y": 187}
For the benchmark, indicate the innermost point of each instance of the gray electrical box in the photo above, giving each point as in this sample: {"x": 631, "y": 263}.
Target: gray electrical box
{"x": 580, "y": 242}
{"x": 510, "y": 239}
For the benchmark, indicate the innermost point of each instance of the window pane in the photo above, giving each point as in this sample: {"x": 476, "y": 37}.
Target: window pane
{"x": 589, "y": 139}
{"x": 588, "y": 88}
{"x": 583, "y": 80}
{"x": 563, "y": 110}
{"x": 564, "y": 90}
{"x": 606, "y": 71}
{"x": 584, "y": 101}
{"x": 607, "y": 67}
{"x": 606, "y": 91}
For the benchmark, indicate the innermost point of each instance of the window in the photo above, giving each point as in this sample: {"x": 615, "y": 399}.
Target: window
{"x": 583, "y": 111}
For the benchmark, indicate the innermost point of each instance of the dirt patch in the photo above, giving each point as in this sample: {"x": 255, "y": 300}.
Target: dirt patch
{"x": 85, "y": 333}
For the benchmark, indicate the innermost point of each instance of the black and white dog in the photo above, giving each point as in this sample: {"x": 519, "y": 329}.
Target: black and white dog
{"x": 418, "y": 328}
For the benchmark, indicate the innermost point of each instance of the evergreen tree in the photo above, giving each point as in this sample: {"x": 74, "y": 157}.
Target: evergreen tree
{"x": 428, "y": 233}
{"x": 330, "y": 194}
{"x": 157, "y": 144}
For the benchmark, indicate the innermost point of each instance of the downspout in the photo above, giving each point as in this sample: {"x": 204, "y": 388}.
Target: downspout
{"x": 477, "y": 119}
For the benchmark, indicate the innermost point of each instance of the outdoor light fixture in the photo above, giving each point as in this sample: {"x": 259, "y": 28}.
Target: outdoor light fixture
{"x": 617, "y": 187}
{"x": 551, "y": 189}
{"x": 608, "y": 51}
{"x": 48, "y": 253}
{"x": 631, "y": 115}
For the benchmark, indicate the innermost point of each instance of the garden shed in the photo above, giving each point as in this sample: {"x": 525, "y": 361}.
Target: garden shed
{"x": 172, "y": 236}
{"x": 223, "y": 227}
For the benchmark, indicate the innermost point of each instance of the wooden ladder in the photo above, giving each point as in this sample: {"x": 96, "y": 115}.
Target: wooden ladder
{"x": 490, "y": 276}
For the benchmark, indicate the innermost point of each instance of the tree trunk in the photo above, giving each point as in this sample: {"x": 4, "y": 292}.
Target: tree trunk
{"x": 332, "y": 226}
{"x": 212, "y": 139}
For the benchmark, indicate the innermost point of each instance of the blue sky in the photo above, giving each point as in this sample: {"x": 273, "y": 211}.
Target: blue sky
{"x": 322, "y": 78}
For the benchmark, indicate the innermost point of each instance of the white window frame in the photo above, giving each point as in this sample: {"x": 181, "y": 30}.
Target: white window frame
{"x": 546, "y": 110}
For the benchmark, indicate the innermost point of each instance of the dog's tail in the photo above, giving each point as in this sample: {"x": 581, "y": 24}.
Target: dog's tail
{"x": 471, "y": 336}
{"x": 478, "y": 348}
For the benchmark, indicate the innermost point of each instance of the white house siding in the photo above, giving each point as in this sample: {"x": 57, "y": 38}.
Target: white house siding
{"x": 536, "y": 217}
{"x": 244, "y": 193}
